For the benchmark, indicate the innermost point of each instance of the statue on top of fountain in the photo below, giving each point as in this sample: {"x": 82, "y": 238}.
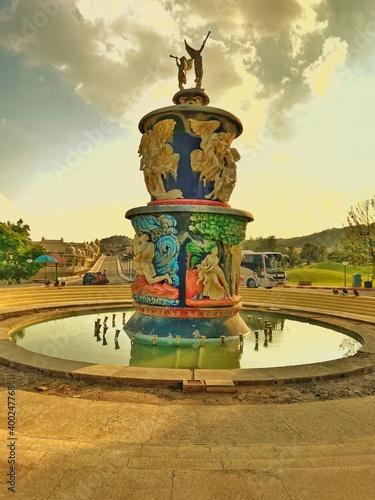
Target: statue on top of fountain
{"x": 184, "y": 65}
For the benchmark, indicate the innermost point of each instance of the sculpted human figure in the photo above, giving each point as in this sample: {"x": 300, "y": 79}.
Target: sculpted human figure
{"x": 215, "y": 285}
{"x": 237, "y": 256}
{"x": 205, "y": 159}
{"x": 144, "y": 252}
{"x": 183, "y": 65}
{"x": 225, "y": 180}
{"x": 158, "y": 160}
{"x": 215, "y": 160}
{"x": 196, "y": 55}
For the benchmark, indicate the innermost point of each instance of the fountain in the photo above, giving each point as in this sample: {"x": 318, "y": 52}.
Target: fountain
{"x": 187, "y": 244}
{"x": 187, "y": 253}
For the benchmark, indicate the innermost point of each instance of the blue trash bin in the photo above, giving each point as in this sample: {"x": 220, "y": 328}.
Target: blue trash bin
{"x": 356, "y": 280}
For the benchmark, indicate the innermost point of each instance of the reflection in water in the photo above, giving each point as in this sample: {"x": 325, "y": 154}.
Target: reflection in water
{"x": 117, "y": 333}
{"x": 274, "y": 340}
{"x": 105, "y": 335}
{"x": 347, "y": 347}
{"x": 224, "y": 357}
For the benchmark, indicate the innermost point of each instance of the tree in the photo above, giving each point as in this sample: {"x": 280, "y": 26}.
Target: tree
{"x": 269, "y": 244}
{"x": 225, "y": 231}
{"x": 194, "y": 254}
{"x": 312, "y": 253}
{"x": 16, "y": 248}
{"x": 360, "y": 233}
{"x": 293, "y": 256}
{"x": 117, "y": 242}
{"x": 339, "y": 254}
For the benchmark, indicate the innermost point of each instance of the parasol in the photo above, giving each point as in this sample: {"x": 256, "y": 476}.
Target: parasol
{"x": 46, "y": 259}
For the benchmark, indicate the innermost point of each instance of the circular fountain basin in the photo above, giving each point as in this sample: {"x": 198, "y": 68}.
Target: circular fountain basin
{"x": 290, "y": 342}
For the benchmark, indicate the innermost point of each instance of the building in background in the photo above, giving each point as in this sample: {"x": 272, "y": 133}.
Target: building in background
{"x": 73, "y": 258}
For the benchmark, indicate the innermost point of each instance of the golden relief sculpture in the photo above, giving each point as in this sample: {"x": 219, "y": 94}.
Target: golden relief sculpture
{"x": 158, "y": 160}
{"x": 196, "y": 100}
{"x": 210, "y": 273}
{"x": 237, "y": 256}
{"x": 216, "y": 160}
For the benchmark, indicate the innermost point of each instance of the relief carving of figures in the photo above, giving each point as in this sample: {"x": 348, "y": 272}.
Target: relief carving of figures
{"x": 196, "y": 100}
{"x": 210, "y": 273}
{"x": 158, "y": 160}
{"x": 237, "y": 256}
{"x": 216, "y": 160}
{"x": 144, "y": 252}
{"x": 225, "y": 181}
{"x": 156, "y": 249}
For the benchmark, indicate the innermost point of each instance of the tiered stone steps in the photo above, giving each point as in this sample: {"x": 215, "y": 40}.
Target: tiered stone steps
{"x": 285, "y": 298}
{"x": 13, "y": 299}
{"x": 325, "y": 302}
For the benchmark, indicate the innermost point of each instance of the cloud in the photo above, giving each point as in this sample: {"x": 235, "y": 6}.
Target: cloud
{"x": 320, "y": 73}
{"x": 7, "y": 211}
{"x": 84, "y": 51}
{"x": 271, "y": 17}
{"x": 262, "y": 59}
{"x": 115, "y": 55}
{"x": 353, "y": 22}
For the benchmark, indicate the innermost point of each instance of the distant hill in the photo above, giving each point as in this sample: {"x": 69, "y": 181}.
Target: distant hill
{"x": 328, "y": 238}
{"x": 114, "y": 243}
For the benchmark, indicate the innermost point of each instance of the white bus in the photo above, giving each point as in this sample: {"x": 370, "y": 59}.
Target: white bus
{"x": 263, "y": 269}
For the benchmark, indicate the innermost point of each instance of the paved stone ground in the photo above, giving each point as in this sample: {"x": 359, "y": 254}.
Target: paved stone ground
{"x": 80, "y": 448}
{"x": 194, "y": 446}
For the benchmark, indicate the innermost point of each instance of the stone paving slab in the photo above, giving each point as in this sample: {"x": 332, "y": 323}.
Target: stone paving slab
{"x": 74, "y": 448}
{"x": 335, "y": 483}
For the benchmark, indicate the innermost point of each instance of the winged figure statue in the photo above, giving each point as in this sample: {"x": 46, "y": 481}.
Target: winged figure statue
{"x": 215, "y": 160}
{"x": 158, "y": 160}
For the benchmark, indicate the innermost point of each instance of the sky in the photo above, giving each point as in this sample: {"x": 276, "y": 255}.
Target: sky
{"x": 77, "y": 76}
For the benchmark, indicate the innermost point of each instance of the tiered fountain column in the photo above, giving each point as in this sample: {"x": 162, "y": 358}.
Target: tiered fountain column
{"x": 187, "y": 244}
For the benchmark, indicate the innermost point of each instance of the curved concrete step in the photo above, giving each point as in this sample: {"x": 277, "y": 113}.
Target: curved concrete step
{"x": 308, "y": 300}
{"x": 49, "y": 297}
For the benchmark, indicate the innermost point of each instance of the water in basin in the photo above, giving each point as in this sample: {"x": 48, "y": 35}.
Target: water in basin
{"x": 292, "y": 342}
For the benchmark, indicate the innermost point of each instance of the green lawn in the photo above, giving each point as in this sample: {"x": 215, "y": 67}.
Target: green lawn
{"x": 326, "y": 274}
